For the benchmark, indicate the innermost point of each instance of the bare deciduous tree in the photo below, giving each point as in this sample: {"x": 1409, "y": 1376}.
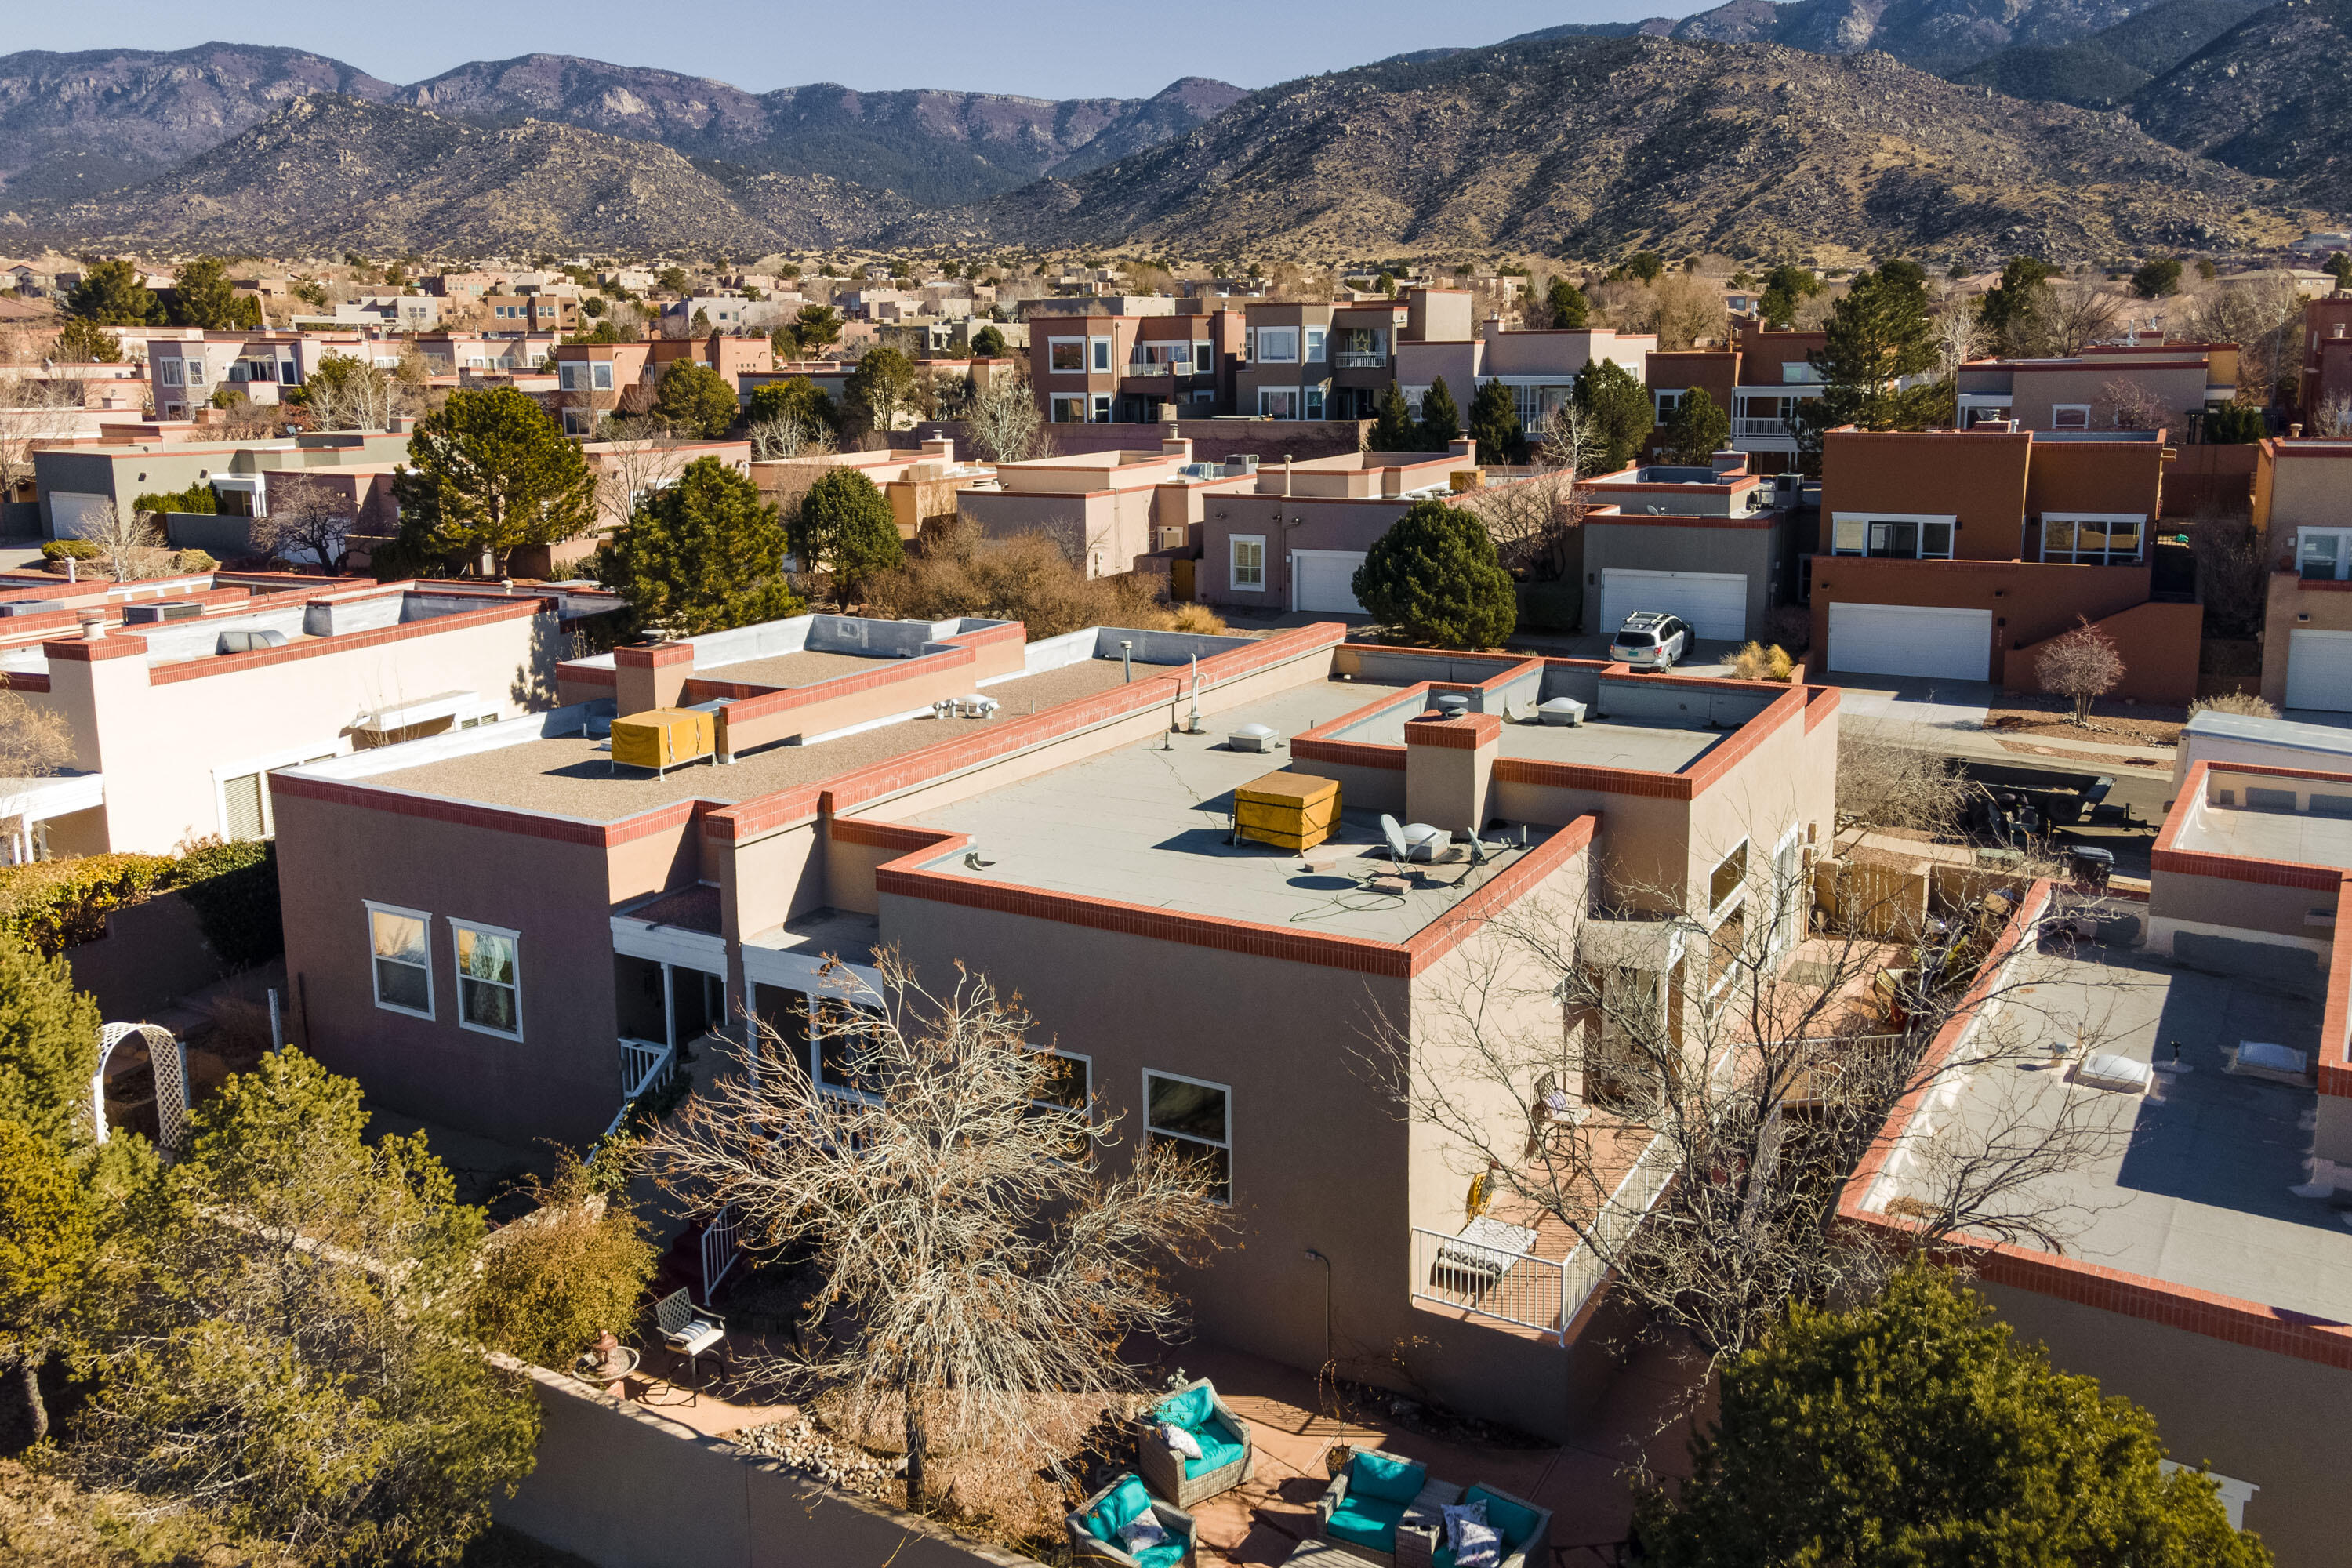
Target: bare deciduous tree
{"x": 1533, "y": 519}
{"x": 36, "y": 744}
{"x": 976, "y": 1258}
{"x": 28, "y": 417}
{"x": 343, "y": 394}
{"x": 132, "y": 544}
{"x": 2130, "y": 405}
{"x": 1687, "y": 309}
{"x": 1004, "y": 424}
{"x": 1687, "y": 1103}
{"x": 305, "y": 519}
{"x": 1883, "y": 783}
{"x": 2333, "y": 418}
{"x": 1960, "y": 335}
{"x": 640, "y": 455}
{"x": 782, "y": 438}
{"x": 2263, "y": 314}
{"x": 2082, "y": 666}
{"x": 2232, "y": 573}
{"x": 2069, "y": 316}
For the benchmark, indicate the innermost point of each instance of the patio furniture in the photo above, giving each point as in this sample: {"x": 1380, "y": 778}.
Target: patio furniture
{"x": 692, "y": 1332}
{"x": 1552, "y": 1113}
{"x": 1363, "y": 1507}
{"x": 1317, "y": 1553}
{"x": 1526, "y": 1531}
{"x": 1095, "y": 1527}
{"x": 1484, "y": 1251}
{"x": 1227, "y": 1457}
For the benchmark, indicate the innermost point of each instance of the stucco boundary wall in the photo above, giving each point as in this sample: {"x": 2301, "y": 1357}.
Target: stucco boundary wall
{"x": 625, "y": 1487}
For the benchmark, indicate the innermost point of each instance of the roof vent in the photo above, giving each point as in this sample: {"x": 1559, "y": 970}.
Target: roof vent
{"x": 167, "y": 610}
{"x": 248, "y": 642}
{"x": 1251, "y": 738}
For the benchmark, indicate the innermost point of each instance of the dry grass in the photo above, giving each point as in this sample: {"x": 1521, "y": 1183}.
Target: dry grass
{"x": 59, "y": 1525}
{"x": 2143, "y": 723}
{"x": 1025, "y": 578}
{"x": 2237, "y": 702}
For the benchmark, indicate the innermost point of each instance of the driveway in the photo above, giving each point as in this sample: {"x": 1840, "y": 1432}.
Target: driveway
{"x": 1921, "y": 700}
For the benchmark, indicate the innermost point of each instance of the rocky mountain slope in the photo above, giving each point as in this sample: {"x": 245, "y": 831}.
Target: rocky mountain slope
{"x": 80, "y": 123}
{"x": 329, "y": 173}
{"x": 2107, "y": 67}
{"x": 1598, "y": 147}
{"x": 2270, "y": 96}
{"x": 1939, "y": 36}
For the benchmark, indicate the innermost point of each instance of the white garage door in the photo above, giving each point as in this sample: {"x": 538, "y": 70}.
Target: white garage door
{"x": 1714, "y": 603}
{"x": 1325, "y": 580}
{"x": 73, "y": 515}
{"x": 1911, "y": 639}
{"x": 2319, "y": 671}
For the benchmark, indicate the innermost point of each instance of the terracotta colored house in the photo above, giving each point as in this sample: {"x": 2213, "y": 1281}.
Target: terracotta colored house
{"x": 2302, "y": 506}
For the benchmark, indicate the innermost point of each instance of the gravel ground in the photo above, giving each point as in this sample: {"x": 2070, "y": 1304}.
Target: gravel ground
{"x": 2141, "y": 723}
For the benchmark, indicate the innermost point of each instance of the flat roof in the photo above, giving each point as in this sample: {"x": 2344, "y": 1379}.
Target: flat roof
{"x": 787, "y": 669}
{"x": 572, "y": 775}
{"x": 1598, "y": 743}
{"x": 1143, "y": 825}
{"x": 2195, "y": 1189}
{"x": 2296, "y": 837}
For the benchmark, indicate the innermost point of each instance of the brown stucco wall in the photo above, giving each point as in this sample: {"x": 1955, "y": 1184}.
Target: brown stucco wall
{"x": 1978, "y": 478}
{"x": 2094, "y": 475}
{"x": 2254, "y": 1416}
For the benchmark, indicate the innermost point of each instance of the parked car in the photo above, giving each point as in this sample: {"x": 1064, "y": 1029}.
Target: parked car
{"x": 1649, "y": 640}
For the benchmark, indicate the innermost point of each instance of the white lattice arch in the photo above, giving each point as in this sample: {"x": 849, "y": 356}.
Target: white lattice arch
{"x": 171, "y": 1061}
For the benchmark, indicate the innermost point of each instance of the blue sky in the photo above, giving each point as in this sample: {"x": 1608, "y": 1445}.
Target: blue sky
{"x": 1045, "y": 48}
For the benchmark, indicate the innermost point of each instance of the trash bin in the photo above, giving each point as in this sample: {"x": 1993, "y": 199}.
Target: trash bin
{"x": 2090, "y": 866}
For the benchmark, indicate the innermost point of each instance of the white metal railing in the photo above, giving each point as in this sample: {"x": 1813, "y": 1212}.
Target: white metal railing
{"x": 1491, "y": 1281}
{"x": 1357, "y": 359}
{"x": 1757, "y": 429}
{"x": 641, "y": 1060}
{"x": 720, "y": 1248}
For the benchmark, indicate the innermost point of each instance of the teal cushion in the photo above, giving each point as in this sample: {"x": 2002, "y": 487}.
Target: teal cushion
{"x": 1187, "y": 1409}
{"x": 1167, "y": 1554}
{"x": 1217, "y": 1450}
{"x": 1516, "y": 1523}
{"x": 1384, "y": 1476}
{"x": 1367, "y": 1521}
{"x": 1121, "y": 1507}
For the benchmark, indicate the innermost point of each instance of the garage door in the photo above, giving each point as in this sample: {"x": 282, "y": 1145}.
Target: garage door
{"x": 1911, "y": 639}
{"x": 1714, "y": 603}
{"x": 73, "y": 515}
{"x": 2319, "y": 671}
{"x": 1325, "y": 580}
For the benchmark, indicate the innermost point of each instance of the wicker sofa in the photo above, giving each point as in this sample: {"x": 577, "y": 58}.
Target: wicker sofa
{"x": 1226, "y": 1455}
{"x": 1395, "y": 1522}
{"x": 1094, "y": 1528}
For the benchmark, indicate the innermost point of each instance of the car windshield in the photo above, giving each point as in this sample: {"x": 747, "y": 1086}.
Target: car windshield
{"x": 1633, "y": 639}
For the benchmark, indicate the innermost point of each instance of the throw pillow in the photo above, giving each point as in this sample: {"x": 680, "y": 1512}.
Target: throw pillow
{"x": 1141, "y": 1534}
{"x": 1183, "y": 1442}
{"x": 1385, "y": 1477}
{"x": 1477, "y": 1546}
{"x": 1459, "y": 1514}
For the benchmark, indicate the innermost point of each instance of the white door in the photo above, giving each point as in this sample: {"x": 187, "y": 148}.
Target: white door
{"x": 1911, "y": 639}
{"x": 1325, "y": 580}
{"x": 1714, "y": 603}
{"x": 73, "y": 515}
{"x": 2319, "y": 671}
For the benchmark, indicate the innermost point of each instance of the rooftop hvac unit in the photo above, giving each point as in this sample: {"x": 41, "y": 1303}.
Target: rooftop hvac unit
{"x": 248, "y": 642}
{"x": 664, "y": 738}
{"x": 168, "y": 610}
{"x": 1241, "y": 463}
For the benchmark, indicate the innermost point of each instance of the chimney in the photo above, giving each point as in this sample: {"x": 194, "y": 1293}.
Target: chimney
{"x": 650, "y": 675}
{"x": 1177, "y": 447}
{"x": 940, "y": 449}
{"x": 1449, "y": 768}
{"x": 1392, "y": 480}
{"x": 1490, "y": 328}
{"x": 1463, "y": 447}
{"x": 92, "y": 624}
{"x": 398, "y": 425}
{"x": 1731, "y": 462}
{"x": 2295, "y": 431}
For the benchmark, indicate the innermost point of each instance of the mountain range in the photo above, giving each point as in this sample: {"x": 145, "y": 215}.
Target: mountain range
{"x": 2067, "y": 127}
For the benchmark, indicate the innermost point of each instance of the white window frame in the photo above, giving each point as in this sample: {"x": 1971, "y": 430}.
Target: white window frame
{"x": 2107, "y": 557}
{"x": 1205, "y": 356}
{"x": 375, "y": 988}
{"x": 1144, "y": 1107}
{"x": 1100, "y": 413}
{"x": 1267, "y": 338}
{"x": 195, "y": 372}
{"x": 1098, "y": 356}
{"x": 2058, "y": 411}
{"x": 1316, "y": 337}
{"x": 1311, "y": 402}
{"x": 1233, "y": 543}
{"x": 2342, "y": 537}
{"x": 266, "y": 763}
{"x": 170, "y": 371}
{"x": 1074, "y": 400}
{"x": 1863, "y": 519}
{"x": 2233, "y": 1494}
{"x": 1666, "y": 399}
{"x": 579, "y": 422}
{"x": 600, "y": 375}
{"x": 458, "y": 974}
{"x": 1287, "y": 396}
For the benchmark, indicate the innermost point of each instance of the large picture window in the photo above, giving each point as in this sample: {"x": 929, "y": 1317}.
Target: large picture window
{"x": 2326, "y": 554}
{"x": 1065, "y": 354}
{"x": 1899, "y": 538}
{"x": 404, "y": 966}
{"x": 1277, "y": 345}
{"x": 1192, "y": 1119}
{"x": 2091, "y": 541}
{"x": 490, "y": 992}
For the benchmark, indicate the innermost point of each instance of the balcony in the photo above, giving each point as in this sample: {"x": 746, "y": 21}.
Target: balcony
{"x": 1357, "y": 359}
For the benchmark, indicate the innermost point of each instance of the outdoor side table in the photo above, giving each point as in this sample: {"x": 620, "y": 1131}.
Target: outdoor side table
{"x": 1423, "y": 1525}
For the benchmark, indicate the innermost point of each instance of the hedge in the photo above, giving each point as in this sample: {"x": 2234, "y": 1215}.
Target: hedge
{"x": 54, "y": 905}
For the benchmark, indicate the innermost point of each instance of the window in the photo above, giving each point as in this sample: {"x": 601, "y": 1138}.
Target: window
{"x": 243, "y": 811}
{"x": 489, "y": 997}
{"x": 1901, "y": 538}
{"x": 1069, "y": 408}
{"x": 1277, "y": 345}
{"x": 1314, "y": 403}
{"x": 1100, "y": 413}
{"x": 601, "y": 376}
{"x": 2091, "y": 539}
{"x": 1730, "y": 873}
{"x": 1194, "y": 1119}
{"x": 404, "y": 969}
{"x": 1248, "y": 574}
{"x": 172, "y": 375}
{"x": 1160, "y": 359}
{"x": 579, "y": 422}
{"x": 1066, "y": 354}
{"x": 2326, "y": 554}
{"x": 1668, "y": 400}
{"x": 196, "y": 373}
{"x": 1204, "y": 356}
{"x": 1279, "y": 402}
{"x": 2070, "y": 416}
{"x": 1315, "y": 346}
{"x": 1098, "y": 354}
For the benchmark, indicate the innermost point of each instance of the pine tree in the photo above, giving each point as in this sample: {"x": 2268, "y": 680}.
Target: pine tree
{"x": 1696, "y": 430}
{"x": 1495, "y": 424}
{"x": 988, "y": 344}
{"x": 1440, "y": 420}
{"x": 1569, "y": 309}
{"x": 1785, "y": 289}
{"x": 84, "y": 342}
{"x": 48, "y": 1044}
{"x": 488, "y": 474}
{"x": 1619, "y": 411}
{"x": 700, "y": 555}
{"x": 1912, "y": 1430}
{"x": 202, "y": 296}
{"x": 1434, "y": 577}
{"x": 845, "y": 528}
{"x": 1394, "y": 429}
{"x": 2009, "y": 306}
{"x": 112, "y": 294}
{"x": 696, "y": 400}
{"x": 1878, "y": 336}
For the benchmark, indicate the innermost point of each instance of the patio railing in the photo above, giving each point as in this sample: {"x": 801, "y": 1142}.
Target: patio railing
{"x": 1760, "y": 429}
{"x": 720, "y": 1248}
{"x": 1491, "y": 1281}
{"x": 642, "y": 1064}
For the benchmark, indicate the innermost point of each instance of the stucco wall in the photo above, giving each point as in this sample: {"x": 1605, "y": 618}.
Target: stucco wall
{"x": 1688, "y": 547}
{"x": 1979, "y": 479}
{"x": 2296, "y": 605}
